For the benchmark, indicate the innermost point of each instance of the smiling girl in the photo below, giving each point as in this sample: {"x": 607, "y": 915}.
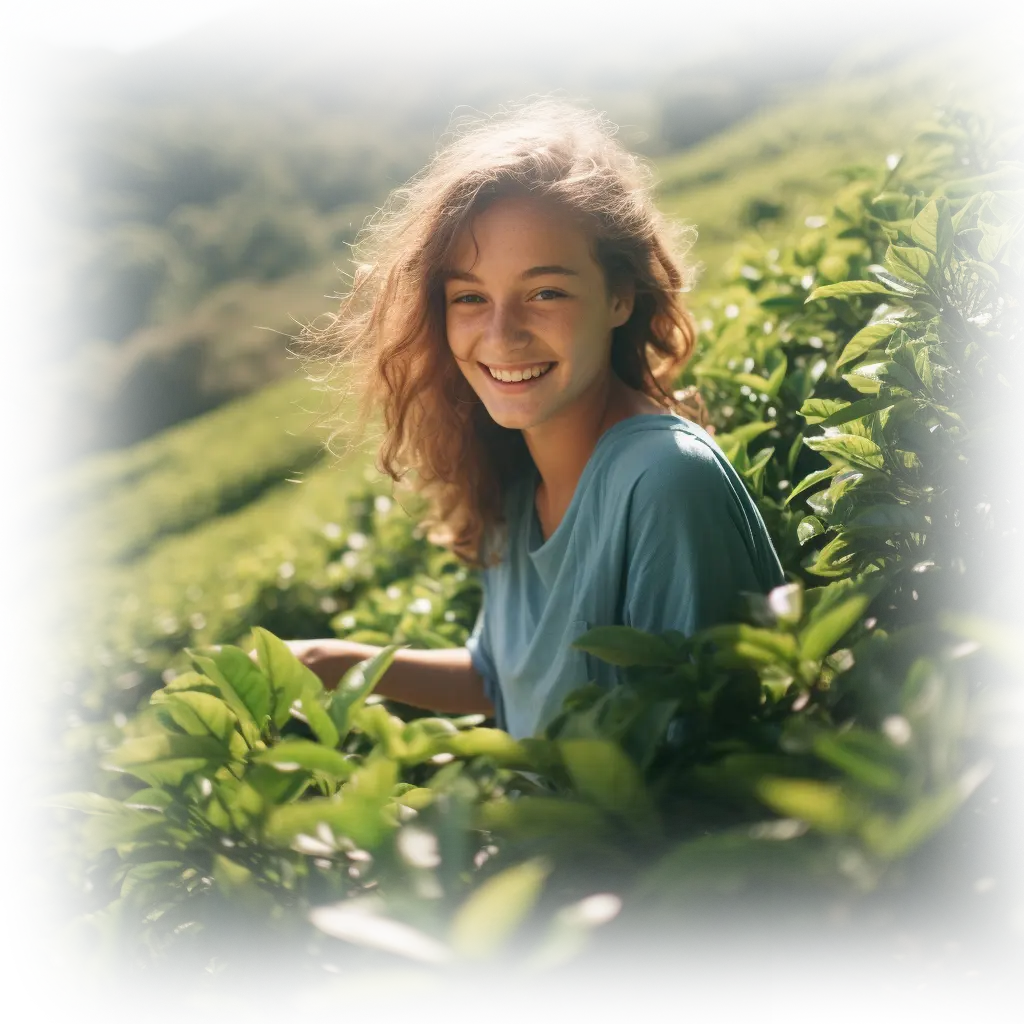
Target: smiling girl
{"x": 519, "y": 322}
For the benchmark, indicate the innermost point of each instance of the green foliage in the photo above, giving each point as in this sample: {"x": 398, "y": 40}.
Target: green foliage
{"x": 805, "y": 751}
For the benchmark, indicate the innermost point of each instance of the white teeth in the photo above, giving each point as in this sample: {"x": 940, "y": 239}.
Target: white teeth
{"x": 511, "y": 376}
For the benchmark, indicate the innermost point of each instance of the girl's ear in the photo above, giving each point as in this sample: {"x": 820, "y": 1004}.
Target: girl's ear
{"x": 623, "y": 299}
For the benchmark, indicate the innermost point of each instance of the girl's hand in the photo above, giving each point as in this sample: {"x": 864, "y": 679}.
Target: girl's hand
{"x": 308, "y": 652}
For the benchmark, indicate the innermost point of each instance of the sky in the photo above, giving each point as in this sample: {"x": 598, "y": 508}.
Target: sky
{"x": 122, "y": 26}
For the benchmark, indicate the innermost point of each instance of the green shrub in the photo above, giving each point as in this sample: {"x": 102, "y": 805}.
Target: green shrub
{"x": 804, "y": 753}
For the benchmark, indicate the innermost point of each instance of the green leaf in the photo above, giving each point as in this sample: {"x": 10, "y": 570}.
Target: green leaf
{"x": 493, "y": 743}
{"x": 850, "y": 448}
{"x": 374, "y": 781}
{"x": 756, "y": 383}
{"x": 149, "y": 799}
{"x": 246, "y": 679}
{"x": 492, "y": 914}
{"x": 843, "y": 289}
{"x": 185, "y": 753}
{"x": 814, "y": 410}
{"x": 155, "y": 850}
{"x": 317, "y": 717}
{"x": 822, "y": 805}
{"x": 838, "y": 750}
{"x": 247, "y": 724}
{"x": 287, "y": 676}
{"x": 358, "y": 921}
{"x": 358, "y": 812}
{"x": 965, "y": 217}
{"x": 809, "y": 528}
{"x": 833, "y": 559}
{"x": 568, "y": 935}
{"x": 240, "y": 885}
{"x": 367, "y": 989}
{"x": 88, "y": 803}
{"x": 888, "y": 519}
{"x": 275, "y": 786}
{"x": 813, "y": 479}
{"x": 748, "y": 432}
{"x": 863, "y": 407}
{"x": 198, "y": 713}
{"x": 529, "y": 818}
{"x": 289, "y": 755}
{"x": 416, "y": 797}
{"x": 624, "y": 646}
{"x": 866, "y": 340}
{"x": 189, "y": 681}
{"x": 1003, "y": 640}
{"x": 910, "y": 264}
{"x": 385, "y": 729}
{"x": 823, "y": 632}
{"x": 898, "y": 286}
{"x": 932, "y": 229}
{"x": 604, "y": 775}
{"x": 867, "y": 378}
{"x": 356, "y": 685}
{"x": 753, "y": 644}
{"x": 424, "y": 737}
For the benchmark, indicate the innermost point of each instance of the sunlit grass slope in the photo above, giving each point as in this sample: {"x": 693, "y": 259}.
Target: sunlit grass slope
{"x": 780, "y": 166}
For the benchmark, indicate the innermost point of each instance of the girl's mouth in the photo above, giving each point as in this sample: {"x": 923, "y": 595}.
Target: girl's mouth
{"x": 520, "y": 385}
{"x": 518, "y": 378}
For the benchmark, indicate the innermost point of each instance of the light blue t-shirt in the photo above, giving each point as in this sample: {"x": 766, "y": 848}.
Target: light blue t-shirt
{"x": 660, "y": 535}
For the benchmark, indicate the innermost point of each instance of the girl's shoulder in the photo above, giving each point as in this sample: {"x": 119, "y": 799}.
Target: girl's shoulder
{"x": 663, "y": 452}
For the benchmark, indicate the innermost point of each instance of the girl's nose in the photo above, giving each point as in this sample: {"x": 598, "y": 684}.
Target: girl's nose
{"x": 505, "y": 326}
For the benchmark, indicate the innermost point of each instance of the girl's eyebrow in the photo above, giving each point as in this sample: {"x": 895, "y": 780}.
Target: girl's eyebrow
{"x": 554, "y": 268}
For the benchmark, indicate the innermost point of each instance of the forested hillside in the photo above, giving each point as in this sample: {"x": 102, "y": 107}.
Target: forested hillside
{"x": 195, "y": 235}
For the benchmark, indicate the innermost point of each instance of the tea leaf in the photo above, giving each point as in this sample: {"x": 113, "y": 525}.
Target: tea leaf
{"x": 602, "y": 773}
{"x": 291, "y": 754}
{"x": 624, "y": 646}
{"x": 492, "y": 914}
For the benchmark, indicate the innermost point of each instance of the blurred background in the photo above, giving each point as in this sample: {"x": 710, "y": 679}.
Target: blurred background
{"x": 186, "y": 175}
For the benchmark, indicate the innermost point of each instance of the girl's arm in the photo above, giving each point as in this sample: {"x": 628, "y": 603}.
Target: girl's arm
{"x": 438, "y": 680}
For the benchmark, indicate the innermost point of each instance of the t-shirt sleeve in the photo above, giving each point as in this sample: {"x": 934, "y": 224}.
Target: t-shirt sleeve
{"x": 479, "y": 646}
{"x": 695, "y": 542}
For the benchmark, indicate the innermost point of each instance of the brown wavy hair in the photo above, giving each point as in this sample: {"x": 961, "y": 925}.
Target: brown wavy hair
{"x": 388, "y": 343}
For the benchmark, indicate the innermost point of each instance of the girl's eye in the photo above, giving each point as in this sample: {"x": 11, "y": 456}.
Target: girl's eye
{"x": 468, "y": 298}
{"x": 544, "y": 291}
{"x": 549, "y": 293}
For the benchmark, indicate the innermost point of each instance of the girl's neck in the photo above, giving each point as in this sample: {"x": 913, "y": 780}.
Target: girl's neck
{"x": 562, "y": 449}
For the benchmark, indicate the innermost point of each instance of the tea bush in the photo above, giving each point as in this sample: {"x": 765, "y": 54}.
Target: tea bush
{"x": 797, "y": 757}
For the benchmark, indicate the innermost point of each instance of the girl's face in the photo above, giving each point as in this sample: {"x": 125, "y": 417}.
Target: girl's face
{"x": 528, "y": 313}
